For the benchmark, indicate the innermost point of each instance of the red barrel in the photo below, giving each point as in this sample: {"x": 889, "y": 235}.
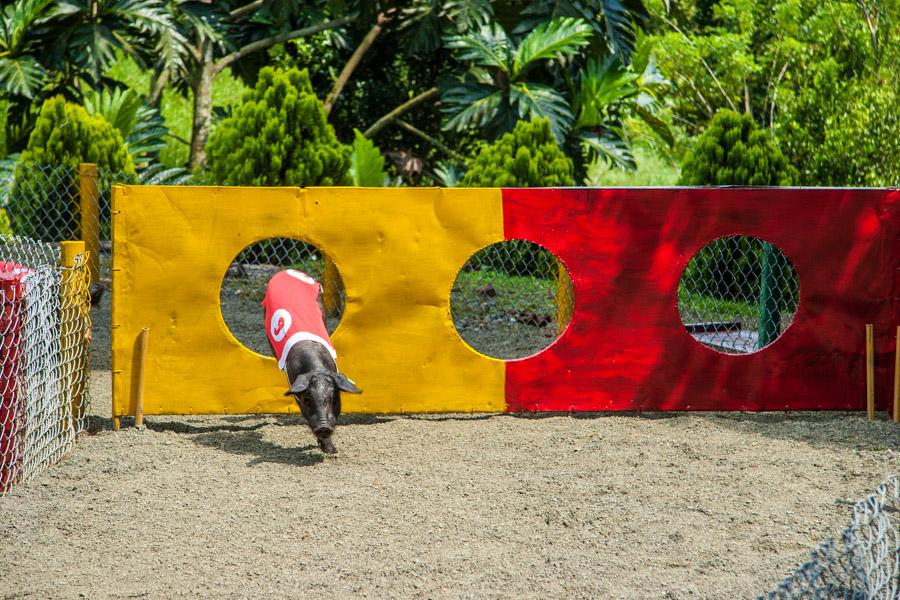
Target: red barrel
{"x": 12, "y": 421}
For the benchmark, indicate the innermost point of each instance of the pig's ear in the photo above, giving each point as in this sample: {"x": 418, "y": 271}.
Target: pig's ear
{"x": 300, "y": 385}
{"x": 345, "y": 384}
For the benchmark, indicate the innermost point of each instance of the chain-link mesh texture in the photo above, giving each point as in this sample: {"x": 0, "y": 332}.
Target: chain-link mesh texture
{"x": 43, "y": 202}
{"x": 738, "y": 294}
{"x": 244, "y": 287}
{"x": 44, "y": 356}
{"x": 512, "y": 299}
{"x": 864, "y": 565}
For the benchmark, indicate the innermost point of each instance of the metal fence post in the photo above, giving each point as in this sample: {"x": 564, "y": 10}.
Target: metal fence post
{"x": 769, "y": 297}
{"x": 90, "y": 215}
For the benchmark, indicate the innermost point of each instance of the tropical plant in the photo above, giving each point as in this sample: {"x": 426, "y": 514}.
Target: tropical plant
{"x": 614, "y": 21}
{"x": 50, "y": 48}
{"x": 609, "y": 93}
{"x": 279, "y": 135}
{"x": 366, "y": 163}
{"x": 499, "y": 87}
{"x": 527, "y": 157}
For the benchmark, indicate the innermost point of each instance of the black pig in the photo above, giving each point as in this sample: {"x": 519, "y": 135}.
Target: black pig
{"x": 296, "y": 329}
{"x": 317, "y": 387}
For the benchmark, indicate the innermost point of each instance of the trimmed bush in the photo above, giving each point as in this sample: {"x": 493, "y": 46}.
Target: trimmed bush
{"x": 279, "y": 135}
{"x": 44, "y": 203}
{"x": 527, "y": 157}
{"x": 734, "y": 151}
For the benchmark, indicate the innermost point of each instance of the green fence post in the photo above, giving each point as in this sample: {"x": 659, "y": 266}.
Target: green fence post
{"x": 770, "y": 296}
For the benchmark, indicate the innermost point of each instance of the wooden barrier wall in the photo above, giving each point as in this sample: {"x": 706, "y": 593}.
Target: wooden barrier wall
{"x": 399, "y": 250}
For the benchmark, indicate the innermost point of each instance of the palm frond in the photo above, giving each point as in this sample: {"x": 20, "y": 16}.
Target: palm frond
{"x": 469, "y": 104}
{"x": 22, "y": 75}
{"x": 601, "y": 85}
{"x": 536, "y": 100}
{"x": 560, "y": 37}
{"x": 467, "y": 15}
{"x": 159, "y": 174}
{"x": 610, "y": 147}
{"x": 488, "y": 46}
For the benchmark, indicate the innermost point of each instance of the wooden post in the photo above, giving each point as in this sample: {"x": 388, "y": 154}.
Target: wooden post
{"x": 139, "y": 395}
{"x": 74, "y": 309}
{"x": 331, "y": 293}
{"x": 90, "y": 215}
{"x": 565, "y": 298}
{"x": 897, "y": 378}
{"x": 870, "y": 370}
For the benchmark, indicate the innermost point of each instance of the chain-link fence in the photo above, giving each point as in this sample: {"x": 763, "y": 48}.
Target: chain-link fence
{"x": 738, "y": 294}
{"x": 43, "y": 202}
{"x": 244, "y": 287}
{"x": 44, "y": 356}
{"x": 864, "y": 565}
{"x": 512, "y": 299}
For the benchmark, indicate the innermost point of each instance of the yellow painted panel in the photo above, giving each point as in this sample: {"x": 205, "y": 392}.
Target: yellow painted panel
{"x": 398, "y": 252}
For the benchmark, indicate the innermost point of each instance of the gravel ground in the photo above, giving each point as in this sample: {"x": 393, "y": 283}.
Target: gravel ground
{"x": 702, "y": 505}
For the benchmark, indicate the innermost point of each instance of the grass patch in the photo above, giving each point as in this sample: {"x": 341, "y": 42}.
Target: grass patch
{"x": 652, "y": 170}
{"x": 488, "y": 295}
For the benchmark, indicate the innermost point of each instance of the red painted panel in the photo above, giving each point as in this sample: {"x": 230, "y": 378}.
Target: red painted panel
{"x": 626, "y": 348}
{"x": 11, "y": 418}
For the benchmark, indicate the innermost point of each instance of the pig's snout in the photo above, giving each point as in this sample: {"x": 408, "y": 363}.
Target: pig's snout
{"x": 323, "y": 430}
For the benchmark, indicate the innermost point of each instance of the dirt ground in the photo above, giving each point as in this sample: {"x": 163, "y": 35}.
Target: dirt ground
{"x": 665, "y": 506}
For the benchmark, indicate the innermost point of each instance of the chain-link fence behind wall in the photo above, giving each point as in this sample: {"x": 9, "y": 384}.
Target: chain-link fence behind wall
{"x": 863, "y": 565}
{"x": 512, "y": 299}
{"x": 44, "y": 356}
{"x": 738, "y": 294}
{"x": 43, "y": 202}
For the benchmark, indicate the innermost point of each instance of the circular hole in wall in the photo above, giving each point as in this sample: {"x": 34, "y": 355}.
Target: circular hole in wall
{"x": 244, "y": 286}
{"x": 738, "y": 294}
{"x": 512, "y": 299}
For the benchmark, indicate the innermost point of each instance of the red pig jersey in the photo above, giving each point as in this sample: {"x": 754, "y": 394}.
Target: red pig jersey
{"x": 293, "y": 314}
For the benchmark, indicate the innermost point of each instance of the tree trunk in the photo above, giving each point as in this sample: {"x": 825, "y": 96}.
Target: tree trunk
{"x": 202, "y": 86}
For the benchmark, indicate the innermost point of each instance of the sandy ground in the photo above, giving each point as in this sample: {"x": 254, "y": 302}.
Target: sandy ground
{"x": 469, "y": 506}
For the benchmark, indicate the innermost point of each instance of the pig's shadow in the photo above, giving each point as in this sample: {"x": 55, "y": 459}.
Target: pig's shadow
{"x": 250, "y": 442}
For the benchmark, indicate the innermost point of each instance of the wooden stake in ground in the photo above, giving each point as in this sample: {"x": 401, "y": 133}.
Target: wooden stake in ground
{"x": 897, "y": 378}
{"x": 139, "y": 396}
{"x": 870, "y": 370}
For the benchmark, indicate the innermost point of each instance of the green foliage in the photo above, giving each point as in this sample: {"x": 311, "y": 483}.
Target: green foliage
{"x": 861, "y": 147}
{"x": 823, "y": 75}
{"x": 608, "y": 93}
{"x": 614, "y": 21}
{"x": 66, "y": 134}
{"x": 45, "y": 188}
{"x": 5, "y": 225}
{"x": 527, "y": 157}
{"x": 499, "y": 87}
{"x": 734, "y": 151}
{"x": 366, "y": 163}
{"x": 279, "y": 135}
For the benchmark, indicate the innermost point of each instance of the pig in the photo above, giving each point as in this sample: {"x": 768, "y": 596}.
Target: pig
{"x": 295, "y": 322}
